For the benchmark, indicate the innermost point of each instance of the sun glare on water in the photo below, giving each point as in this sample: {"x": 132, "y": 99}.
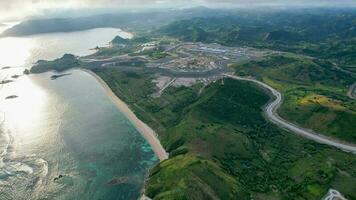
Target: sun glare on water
{"x": 15, "y": 51}
{"x": 23, "y": 113}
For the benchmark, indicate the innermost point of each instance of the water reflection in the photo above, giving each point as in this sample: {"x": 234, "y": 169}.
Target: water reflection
{"x": 15, "y": 51}
{"x": 19, "y": 136}
{"x": 24, "y": 51}
{"x": 22, "y": 111}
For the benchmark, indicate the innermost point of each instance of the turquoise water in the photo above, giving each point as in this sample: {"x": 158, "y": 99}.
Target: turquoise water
{"x": 65, "y": 139}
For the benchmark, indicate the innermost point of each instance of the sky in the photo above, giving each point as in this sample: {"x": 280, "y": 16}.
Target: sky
{"x": 19, "y": 9}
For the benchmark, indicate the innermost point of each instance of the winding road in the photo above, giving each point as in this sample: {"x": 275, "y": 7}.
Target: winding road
{"x": 271, "y": 113}
{"x": 352, "y": 92}
{"x": 334, "y": 195}
{"x": 270, "y": 110}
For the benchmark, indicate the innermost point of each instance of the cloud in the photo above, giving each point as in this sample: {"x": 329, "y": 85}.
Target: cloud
{"x": 22, "y": 8}
{"x": 284, "y": 3}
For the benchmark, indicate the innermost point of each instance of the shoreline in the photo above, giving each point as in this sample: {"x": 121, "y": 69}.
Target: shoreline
{"x": 147, "y": 132}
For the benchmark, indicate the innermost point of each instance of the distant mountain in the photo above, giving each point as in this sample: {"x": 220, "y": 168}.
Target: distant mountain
{"x": 136, "y": 20}
{"x": 322, "y": 33}
{"x": 39, "y": 26}
{"x": 280, "y": 26}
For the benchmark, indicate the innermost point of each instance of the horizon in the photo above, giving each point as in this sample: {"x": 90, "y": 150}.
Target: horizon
{"x": 22, "y": 10}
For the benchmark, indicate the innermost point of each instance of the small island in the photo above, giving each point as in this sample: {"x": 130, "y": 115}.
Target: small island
{"x": 15, "y": 76}
{"x": 6, "y": 81}
{"x": 58, "y": 177}
{"x": 26, "y": 72}
{"x": 54, "y": 77}
{"x": 11, "y": 97}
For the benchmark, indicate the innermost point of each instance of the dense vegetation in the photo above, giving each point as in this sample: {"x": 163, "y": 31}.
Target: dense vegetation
{"x": 120, "y": 46}
{"x": 314, "y": 79}
{"x": 314, "y": 91}
{"x": 322, "y": 33}
{"x": 221, "y": 146}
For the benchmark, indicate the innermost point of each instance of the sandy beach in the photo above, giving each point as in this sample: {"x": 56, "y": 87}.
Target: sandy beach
{"x": 143, "y": 128}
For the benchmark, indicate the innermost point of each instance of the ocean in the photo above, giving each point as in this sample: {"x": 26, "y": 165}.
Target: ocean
{"x": 64, "y": 138}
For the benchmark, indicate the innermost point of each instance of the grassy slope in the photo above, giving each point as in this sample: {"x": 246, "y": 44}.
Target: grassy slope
{"x": 221, "y": 146}
{"x": 315, "y": 93}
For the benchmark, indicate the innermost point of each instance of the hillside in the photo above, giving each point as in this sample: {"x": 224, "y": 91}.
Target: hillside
{"x": 139, "y": 21}
{"x": 327, "y": 34}
{"x": 66, "y": 62}
{"x": 315, "y": 93}
{"x": 221, "y": 146}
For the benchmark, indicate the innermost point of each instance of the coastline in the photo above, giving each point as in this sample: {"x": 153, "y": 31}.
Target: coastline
{"x": 147, "y": 132}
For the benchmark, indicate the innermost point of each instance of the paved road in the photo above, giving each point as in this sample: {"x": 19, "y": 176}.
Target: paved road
{"x": 336, "y": 66}
{"x": 352, "y": 92}
{"x": 271, "y": 112}
{"x": 167, "y": 85}
{"x": 334, "y": 195}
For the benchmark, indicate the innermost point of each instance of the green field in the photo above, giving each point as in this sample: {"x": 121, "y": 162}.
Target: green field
{"x": 221, "y": 146}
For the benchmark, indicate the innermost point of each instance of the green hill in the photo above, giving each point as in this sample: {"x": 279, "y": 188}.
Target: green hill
{"x": 322, "y": 33}
{"x": 119, "y": 40}
{"x": 314, "y": 92}
{"x": 68, "y": 61}
{"x": 221, "y": 146}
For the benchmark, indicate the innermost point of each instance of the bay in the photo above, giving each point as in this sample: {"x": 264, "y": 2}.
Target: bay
{"x": 64, "y": 138}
